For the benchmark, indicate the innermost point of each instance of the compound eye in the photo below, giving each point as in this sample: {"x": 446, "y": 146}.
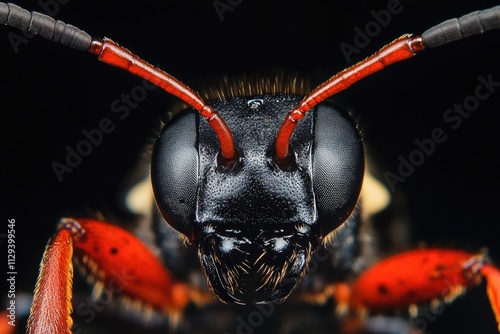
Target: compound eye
{"x": 174, "y": 171}
{"x": 338, "y": 166}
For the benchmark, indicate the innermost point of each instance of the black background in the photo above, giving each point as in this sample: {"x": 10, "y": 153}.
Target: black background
{"x": 50, "y": 93}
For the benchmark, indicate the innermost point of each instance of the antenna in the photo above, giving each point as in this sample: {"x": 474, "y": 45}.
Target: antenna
{"x": 116, "y": 55}
{"x": 400, "y": 49}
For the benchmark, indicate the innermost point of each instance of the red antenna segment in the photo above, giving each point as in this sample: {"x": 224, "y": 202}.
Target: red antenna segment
{"x": 116, "y": 55}
{"x": 402, "y": 48}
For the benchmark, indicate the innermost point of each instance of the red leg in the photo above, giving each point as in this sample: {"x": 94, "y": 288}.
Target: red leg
{"x": 492, "y": 275}
{"x": 53, "y": 288}
{"x": 422, "y": 275}
{"x": 116, "y": 261}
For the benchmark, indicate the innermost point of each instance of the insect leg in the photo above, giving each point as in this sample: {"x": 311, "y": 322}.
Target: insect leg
{"x": 115, "y": 260}
{"x": 492, "y": 275}
{"x": 53, "y": 288}
{"x": 419, "y": 276}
